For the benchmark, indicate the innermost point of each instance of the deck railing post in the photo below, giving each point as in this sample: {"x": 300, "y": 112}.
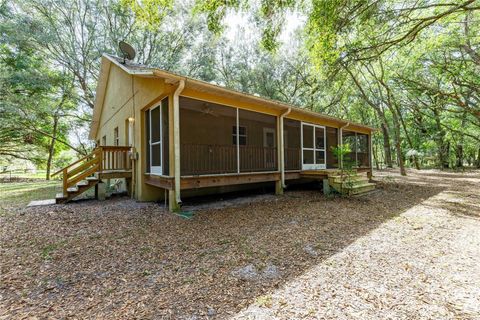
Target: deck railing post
{"x": 370, "y": 162}
{"x": 100, "y": 159}
{"x": 65, "y": 181}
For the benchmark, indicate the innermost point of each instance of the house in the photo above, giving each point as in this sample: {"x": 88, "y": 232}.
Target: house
{"x": 171, "y": 136}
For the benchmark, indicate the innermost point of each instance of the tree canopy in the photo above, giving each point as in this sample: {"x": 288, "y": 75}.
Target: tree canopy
{"x": 410, "y": 68}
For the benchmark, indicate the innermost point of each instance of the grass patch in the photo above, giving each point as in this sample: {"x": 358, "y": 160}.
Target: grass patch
{"x": 19, "y": 194}
{"x": 51, "y": 248}
{"x": 40, "y": 175}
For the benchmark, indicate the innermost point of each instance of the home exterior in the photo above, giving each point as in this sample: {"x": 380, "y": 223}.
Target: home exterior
{"x": 182, "y": 136}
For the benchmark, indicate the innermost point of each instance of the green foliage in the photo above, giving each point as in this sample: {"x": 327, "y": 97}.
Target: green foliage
{"x": 410, "y": 68}
{"x": 149, "y": 13}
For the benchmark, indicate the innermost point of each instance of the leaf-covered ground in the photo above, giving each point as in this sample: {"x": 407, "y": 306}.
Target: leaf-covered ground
{"x": 411, "y": 248}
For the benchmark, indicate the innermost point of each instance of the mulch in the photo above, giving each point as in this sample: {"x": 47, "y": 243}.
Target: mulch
{"x": 119, "y": 259}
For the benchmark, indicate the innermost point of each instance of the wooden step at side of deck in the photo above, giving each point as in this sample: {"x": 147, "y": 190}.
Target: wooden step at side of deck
{"x": 351, "y": 183}
{"x": 74, "y": 192}
{"x": 362, "y": 188}
{"x": 347, "y": 179}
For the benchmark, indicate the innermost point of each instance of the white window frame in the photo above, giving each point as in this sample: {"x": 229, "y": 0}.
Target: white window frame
{"x": 237, "y": 134}
{"x": 116, "y": 136}
{"x": 315, "y": 165}
{"x": 156, "y": 170}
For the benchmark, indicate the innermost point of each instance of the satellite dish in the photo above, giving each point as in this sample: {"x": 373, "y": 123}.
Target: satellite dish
{"x": 127, "y": 50}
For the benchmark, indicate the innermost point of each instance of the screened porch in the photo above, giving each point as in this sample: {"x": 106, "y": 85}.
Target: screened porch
{"x": 224, "y": 140}
{"x": 217, "y": 139}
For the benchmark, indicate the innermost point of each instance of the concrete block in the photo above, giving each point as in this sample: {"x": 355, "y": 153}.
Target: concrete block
{"x": 278, "y": 188}
{"x": 326, "y": 187}
{"x": 101, "y": 191}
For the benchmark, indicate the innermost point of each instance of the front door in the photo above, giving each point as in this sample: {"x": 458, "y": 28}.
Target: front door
{"x": 313, "y": 147}
{"x": 156, "y": 140}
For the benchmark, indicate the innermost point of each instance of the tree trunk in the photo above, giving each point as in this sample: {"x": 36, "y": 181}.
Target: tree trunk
{"x": 459, "y": 156}
{"x": 391, "y": 100}
{"x": 440, "y": 139}
{"x": 459, "y": 149}
{"x": 398, "y": 146}
{"x": 398, "y": 143}
{"x": 375, "y": 157}
{"x": 387, "y": 149}
{"x": 478, "y": 158}
{"x": 51, "y": 148}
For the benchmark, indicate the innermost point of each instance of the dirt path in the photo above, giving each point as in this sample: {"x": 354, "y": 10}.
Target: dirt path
{"x": 410, "y": 250}
{"x": 425, "y": 264}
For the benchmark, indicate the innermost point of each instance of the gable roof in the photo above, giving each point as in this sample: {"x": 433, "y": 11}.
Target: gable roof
{"x": 151, "y": 72}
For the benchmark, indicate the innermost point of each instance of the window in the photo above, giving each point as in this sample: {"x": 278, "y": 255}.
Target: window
{"x": 313, "y": 147}
{"x": 242, "y": 135}
{"x": 156, "y": 120}
{"x": 104, "y": 140}
{"x": 116, "y": 139}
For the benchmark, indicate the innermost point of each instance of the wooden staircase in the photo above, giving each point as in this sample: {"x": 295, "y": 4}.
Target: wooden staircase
{"x": 87, "y": 172}
{"x": 350, "y": 182}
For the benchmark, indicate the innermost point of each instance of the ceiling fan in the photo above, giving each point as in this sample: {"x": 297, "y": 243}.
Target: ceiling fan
{"x": 207, "y": 110}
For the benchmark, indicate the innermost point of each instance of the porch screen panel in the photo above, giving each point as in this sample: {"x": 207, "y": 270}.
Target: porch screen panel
{"x": 155, "y": 140}
{"x": 332, "y": 142}
{"x": 349, "y": 138}
{"x": 147, "y": 140}
{"x": 358, "y": 142}
{"x": 258, "y": 150}
{"x": 292, "y": 144}
{"x": 206, "y": 143}
{"x": 165, "y": 137}
{"x": 362, "y": 150}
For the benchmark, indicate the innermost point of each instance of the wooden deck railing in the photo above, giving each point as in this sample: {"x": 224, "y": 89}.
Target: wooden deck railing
{"x": 292, "y": 159}
{"x": 106, "y": 158}
{"x": 208, "y": 159}
{"x": 256, "y": 158}
{"x": 202, "y": 159}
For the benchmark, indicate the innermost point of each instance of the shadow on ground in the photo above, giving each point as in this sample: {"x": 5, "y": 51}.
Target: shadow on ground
{"x": 461, "y": 197}
{"x": 121, "y": 259}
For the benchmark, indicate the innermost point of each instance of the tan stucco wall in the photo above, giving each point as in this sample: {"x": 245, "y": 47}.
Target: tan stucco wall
{"x": 126, "y": 96}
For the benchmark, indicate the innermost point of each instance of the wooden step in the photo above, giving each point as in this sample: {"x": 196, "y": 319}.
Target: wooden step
{"x": 367, "y": 187}
{"x": 353, "y": 179}
{"x": 347, "y": 184}
{"x": 60, "y": 198}
{"x": 83, "y": 183}
{"x": 72, "y": 190}
{"x": 60, "y": 195}
{"x": 353, "y": 187}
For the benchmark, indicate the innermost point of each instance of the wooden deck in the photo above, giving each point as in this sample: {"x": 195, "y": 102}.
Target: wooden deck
{"x": 105, "y": 162}
{"x": 114, "y": 174}
{"x": 204, "y": 181}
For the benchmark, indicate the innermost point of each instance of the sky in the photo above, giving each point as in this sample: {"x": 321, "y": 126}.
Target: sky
{"x": 239, "y": 21}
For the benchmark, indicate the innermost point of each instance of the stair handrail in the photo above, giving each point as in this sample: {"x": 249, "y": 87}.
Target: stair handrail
{"x": 96, "y": 155}
{"x": 87, "y": 165}
{"x": 74, "y": 163}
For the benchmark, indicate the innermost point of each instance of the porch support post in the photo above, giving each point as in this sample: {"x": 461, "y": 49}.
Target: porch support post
{"x": 175, "y": 200}
{"x": 370, "y": 162}
{"x": 340, "y": 143}
{"x": 280, "y": 185}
